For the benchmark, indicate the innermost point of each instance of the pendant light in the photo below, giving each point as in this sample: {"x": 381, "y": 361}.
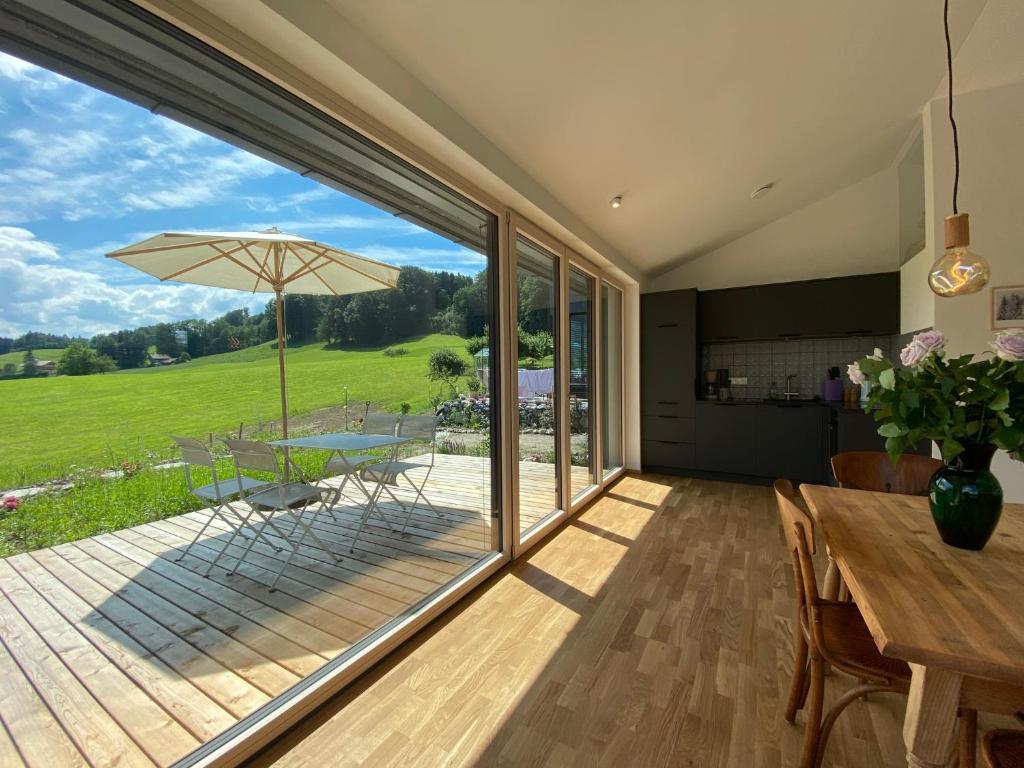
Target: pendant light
{"x": 959, "y": 271}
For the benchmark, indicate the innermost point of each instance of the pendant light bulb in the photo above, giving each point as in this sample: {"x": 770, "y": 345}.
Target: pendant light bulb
{"x": 959, "y": 271}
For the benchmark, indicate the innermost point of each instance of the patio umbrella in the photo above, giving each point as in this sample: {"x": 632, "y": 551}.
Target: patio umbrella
{"x": 260, "y": 262}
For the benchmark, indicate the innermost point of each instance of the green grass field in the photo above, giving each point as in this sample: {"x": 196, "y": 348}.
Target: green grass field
{"x": 52, "y": 424}
{"x": 40, "y": 354}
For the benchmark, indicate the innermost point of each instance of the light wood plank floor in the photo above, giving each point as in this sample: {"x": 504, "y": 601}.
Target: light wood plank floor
{"x": 113, "y": 652}
{"x": 653, "y": 630}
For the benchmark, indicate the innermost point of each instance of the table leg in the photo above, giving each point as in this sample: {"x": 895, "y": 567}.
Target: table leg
{"x": 929, "y": 728}
{"x": 830, "y": 589}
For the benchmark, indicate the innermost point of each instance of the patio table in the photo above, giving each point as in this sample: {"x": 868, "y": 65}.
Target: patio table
{"x": 339, "y": 442}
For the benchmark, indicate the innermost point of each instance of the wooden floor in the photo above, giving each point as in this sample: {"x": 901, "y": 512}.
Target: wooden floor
{"x": 654, "y": 630}
{"x": 113, "y": 652}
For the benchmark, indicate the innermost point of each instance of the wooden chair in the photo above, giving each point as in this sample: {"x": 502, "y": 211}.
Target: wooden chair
{"x": 1003, "y": 749}
{"x": 828, "y": 632}
{"x": 874, "y": 471}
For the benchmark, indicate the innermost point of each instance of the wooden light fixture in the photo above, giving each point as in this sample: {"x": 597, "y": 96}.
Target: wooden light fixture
{"x": 959, "y": 271}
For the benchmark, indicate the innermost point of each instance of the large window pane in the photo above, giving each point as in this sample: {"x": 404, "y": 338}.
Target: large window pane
{"x": 581, "y": 379}
{"x": 146, "y": 131}
{"x": 537, "y": 384}
{"x": 611, "y": 377}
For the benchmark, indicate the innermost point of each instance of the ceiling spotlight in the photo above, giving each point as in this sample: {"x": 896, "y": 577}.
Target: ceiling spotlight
{"x": 761, "y": 191}
{"x": 616, "y": 202}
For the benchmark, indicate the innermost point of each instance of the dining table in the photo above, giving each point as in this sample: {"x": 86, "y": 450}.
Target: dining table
{"x": 955, "y": 616}
{"x": 337, "y": 444}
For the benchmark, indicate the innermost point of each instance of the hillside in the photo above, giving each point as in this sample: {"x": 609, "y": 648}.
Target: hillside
{"x": 55, "y": 422}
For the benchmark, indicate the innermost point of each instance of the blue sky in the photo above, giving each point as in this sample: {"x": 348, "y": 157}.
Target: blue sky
{"x": 83, "y": 173}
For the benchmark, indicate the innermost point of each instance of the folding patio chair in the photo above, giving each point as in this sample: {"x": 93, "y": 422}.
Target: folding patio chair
{"x": 292, "y": 497}
{"x": 347, "y": 465}
{"x": 221, "y": 492}
{"x": 387, "y": 472}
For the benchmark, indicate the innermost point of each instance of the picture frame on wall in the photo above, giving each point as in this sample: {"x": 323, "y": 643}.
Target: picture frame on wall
{"x": 1007, "y": 307}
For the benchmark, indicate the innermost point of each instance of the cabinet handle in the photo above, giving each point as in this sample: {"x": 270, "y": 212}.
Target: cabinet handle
{"x": 667, "y": 442}
{"x": 861, "y": 332}
{"x": 668, "y": 325}
{"x": 668, "y": 417}
{"x": 790, "y": 335}
{"x": 668, "y": 402}
{"x": 725, "y": 338}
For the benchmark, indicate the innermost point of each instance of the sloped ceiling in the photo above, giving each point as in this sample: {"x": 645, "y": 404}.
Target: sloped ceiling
{"x": 682, "y": 107}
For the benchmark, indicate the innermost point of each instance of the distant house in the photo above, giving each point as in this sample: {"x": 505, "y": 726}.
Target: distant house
{"x": 46, "y": 366}
{"x": 159, "y": 359}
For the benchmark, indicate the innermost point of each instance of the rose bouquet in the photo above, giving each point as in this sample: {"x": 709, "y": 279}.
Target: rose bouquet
{"x": 961, "y": 403}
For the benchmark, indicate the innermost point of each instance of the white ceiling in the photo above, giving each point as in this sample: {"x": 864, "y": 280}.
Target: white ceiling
{"x": 681, "y": 107}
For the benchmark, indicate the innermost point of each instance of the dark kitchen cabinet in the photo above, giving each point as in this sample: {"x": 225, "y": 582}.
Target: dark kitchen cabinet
{"x": 730, "y": 314}
{"x": 792, "y": 441}
{"x": 668, "y": 377}
{"x": 726, "y": 438}
{"x": 862, "y": 305}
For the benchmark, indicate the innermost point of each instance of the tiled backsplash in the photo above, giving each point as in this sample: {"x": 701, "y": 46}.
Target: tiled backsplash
{"x": 764, "y": 362}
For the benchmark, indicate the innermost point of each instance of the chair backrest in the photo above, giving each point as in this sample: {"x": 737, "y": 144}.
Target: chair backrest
{"x": 380, "y": 423}
{"x": 875, "y": 471}
{"x": 194, "y": 451}
{"x": 254, "y": 456}
{"x": 423, "y": 427}
{"x": 799, "y": 530}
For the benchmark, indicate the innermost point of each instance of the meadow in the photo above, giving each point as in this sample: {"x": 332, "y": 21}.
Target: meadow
{"x": 55, "y": 426}
{"x": 40, "y": 354}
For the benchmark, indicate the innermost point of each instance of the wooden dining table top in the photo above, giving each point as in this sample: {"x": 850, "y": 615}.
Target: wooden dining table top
{"x": 924, "y": 601}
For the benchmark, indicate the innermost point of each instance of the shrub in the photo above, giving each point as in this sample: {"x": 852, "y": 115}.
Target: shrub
{"x": 395, "y": 352}
{"x": 447, "y": 366}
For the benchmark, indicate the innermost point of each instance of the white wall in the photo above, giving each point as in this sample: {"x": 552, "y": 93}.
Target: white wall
{"x": 991, "y": 124}
{"x": 854, "y": 231}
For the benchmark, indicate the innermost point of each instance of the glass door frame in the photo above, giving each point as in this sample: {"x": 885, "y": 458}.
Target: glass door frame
{"x": 604, "y": 479}
{"x": 520, "y": 227}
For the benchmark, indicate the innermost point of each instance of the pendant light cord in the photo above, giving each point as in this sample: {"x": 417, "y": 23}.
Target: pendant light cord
{"x": 952, "y": 122}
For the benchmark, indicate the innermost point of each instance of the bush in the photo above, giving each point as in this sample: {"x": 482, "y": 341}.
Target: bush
{"x": 80, "y": 360}
{"x": 446, "y": 365}
{"x": 396, "y": 352}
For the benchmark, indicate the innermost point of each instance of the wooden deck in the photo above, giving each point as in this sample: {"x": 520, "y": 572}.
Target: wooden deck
{"x": 112, "y": 652}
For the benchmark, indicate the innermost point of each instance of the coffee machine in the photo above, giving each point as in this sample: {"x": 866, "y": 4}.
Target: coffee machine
{"x": 716, "y": 384}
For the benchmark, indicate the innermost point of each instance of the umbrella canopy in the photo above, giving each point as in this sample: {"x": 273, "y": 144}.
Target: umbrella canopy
{"x": 260, "y": 262}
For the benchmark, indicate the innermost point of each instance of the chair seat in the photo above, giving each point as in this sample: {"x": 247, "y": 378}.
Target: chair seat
{"x": 1004, "y": 749}
{"x": 228, "y": 487}
{"x": 285, "y": 495}
{"x": 384, "y": 470}
{"x": 337, "y": 465}
{"x": 850, "y": 647}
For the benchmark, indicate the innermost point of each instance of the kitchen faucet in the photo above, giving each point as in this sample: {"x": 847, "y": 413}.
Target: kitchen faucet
{"x": 791, "y": 390}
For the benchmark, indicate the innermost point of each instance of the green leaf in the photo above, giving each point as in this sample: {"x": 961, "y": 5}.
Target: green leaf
{"x": 887, "y": 379}
{"x": 892, "y": 430}
{"x": 1001, "y": 401}
{"x": 951, "y": 448}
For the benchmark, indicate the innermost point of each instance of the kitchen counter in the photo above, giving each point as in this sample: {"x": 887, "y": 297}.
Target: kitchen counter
{"x": 836, "y": 405}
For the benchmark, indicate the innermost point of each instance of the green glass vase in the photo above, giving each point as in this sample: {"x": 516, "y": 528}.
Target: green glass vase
{"x": 966, "y": 498}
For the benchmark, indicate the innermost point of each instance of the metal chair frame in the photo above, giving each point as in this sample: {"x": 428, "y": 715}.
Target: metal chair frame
{"x": 221, "y": 492}
{"x": 283, "y": 495}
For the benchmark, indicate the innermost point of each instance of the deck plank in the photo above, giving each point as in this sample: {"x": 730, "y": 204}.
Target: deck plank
{"x": 88, "y": 724}
{"x": 156, "y": 733}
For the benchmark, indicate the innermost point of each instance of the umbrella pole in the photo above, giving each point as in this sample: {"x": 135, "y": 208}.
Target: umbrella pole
{"x": 279, "y": 312}
{"x": 278, "y": 304}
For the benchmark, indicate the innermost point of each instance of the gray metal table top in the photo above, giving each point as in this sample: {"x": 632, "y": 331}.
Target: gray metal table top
{"x": 342, "y": 441}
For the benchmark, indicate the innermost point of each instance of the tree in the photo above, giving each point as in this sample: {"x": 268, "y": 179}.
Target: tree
{"x": 29, "y": 365}
{"x": 166, "y": 340}
{"x": 80, "y": 360}
{"x": 6, "y": 344}
{"x": 10, "y": 370}
{"x": 448, "y": 366}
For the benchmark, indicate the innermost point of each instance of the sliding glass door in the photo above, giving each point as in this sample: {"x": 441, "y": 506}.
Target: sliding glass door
{"x": 611, "y": 378}
{"x": 537, "y": 384}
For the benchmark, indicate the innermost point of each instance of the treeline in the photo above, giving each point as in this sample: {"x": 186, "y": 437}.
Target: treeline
{"x": 423, "y": 302}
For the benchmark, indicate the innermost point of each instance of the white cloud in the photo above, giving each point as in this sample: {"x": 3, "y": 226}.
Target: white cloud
{"x": 29, "y": 75}
{"x": 41, "y": 295}
{"x": 21, "y": 245}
